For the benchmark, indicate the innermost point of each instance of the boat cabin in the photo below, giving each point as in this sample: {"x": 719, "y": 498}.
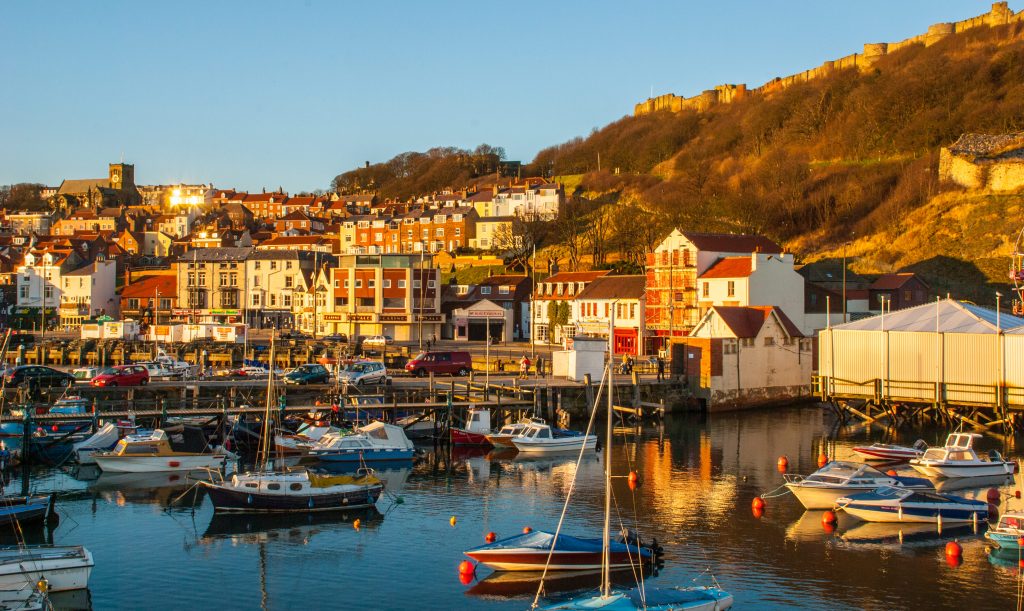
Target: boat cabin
{"x": 1011, "y": 523}
{"x": 478, "y": 421}
{"x": 841, "y": 472}
{"x": 959, "y": 447}
{"x": 182, "y": 440}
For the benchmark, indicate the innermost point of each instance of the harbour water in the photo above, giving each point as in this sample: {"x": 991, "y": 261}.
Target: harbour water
{"x": 154, "y": 550}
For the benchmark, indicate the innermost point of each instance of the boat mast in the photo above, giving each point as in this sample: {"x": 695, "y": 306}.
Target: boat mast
{"x": 606, "y": 585}
{"x": 267, "y": 429}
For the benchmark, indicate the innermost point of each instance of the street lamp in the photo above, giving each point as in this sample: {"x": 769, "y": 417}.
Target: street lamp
{"x": 423, "y": 284}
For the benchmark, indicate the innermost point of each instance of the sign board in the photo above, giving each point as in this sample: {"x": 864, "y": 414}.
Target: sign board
{"x": 485, "y": 313}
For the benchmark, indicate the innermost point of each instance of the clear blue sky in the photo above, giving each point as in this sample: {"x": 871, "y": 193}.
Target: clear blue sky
{"x": 264, "y": 94}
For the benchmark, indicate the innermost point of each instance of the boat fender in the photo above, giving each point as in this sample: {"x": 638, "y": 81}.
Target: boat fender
{"x": 992, "y": 496}
{"x": 310, "y": 503}
{"x": 344, "y": 501}
{"x": 249, "y": 499}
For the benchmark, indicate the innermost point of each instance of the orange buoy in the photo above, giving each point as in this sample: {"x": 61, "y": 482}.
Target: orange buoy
{"x": 54, "y": 428}
{"x": 757, "y": 503}
{"x": 1016, "y": 493}
{"x": 828, "y": 528}
{"x": 634, "y": 480}
{"x": 758, "y": 512}
{"x": 953, "y": 549}
{"x": 822, "y": 460}
{"x": 490, "y": 537}
{"x": 465, "y": 578}
{"x": 317, "y": 403}
{"x": 954, "y": 561}
{"x": 828, "y": 518}
{"x": 452, "y": 521}
{"x": 1020, "y": 564}
{"x": 783, "y": 463}
{"x": 527, "y": 530}
{"x": 992, "y": 496}
{"x": 466, "y": 568}
{"x": 356, "y": 523}
{"x": 891, "y": 473}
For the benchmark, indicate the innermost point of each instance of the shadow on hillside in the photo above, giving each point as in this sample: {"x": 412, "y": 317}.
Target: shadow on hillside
{"x": 962, "y": 279}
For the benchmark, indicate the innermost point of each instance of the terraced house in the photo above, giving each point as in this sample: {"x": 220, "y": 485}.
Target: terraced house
{"x": 444, "y": 229}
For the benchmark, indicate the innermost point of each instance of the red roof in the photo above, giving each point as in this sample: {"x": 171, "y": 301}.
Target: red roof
{"x": 747, "y": 321}
{"x": 893, "y": 281}
{"x": 285, "y": 240}
{"x": 729, "y": 267}
{"x": 147, "y": 286}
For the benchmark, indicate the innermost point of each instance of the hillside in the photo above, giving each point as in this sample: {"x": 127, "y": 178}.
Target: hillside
{"x": 849, "y": 157}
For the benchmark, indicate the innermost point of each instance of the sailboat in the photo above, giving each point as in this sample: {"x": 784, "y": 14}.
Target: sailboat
{"x": 694, "y": 598}
{"x": 266, "y": 490}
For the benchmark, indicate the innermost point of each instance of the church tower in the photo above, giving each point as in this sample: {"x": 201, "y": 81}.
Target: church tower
{"x": 122, "y": 176}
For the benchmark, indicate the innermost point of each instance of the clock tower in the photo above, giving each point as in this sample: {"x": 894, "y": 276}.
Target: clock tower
{"x": 122, "y": 176}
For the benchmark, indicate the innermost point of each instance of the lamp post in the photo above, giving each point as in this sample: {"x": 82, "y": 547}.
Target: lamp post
{"x": 423, "y": 283}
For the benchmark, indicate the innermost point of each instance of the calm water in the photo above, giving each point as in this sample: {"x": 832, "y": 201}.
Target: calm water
{"x": 699, "y": 478}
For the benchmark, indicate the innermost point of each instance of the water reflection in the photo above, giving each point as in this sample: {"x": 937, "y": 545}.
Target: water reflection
{"x": 908, "y": 535}
{"x": 164, "y": 489}
{"x": 523, "y": 584}
{"x": 294, "y": 529}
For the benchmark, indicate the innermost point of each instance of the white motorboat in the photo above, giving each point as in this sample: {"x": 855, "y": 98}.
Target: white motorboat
{"x": 886, "y": 451}
{"x": 185, "y": 449}
{"x": 902, "y": 505}
{"x": 375, "y": 441}
{"x": 101, "y": 441}
{"x": 958, "y": 459}
{"x": 820, "y": 489}
{"x": 303, "y": 440}
{"x": 65, "y": 567}
{"x": 503, "y": 438}
{"x": 540, "y": 438}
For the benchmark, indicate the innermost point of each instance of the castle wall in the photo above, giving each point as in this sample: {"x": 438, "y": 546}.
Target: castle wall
{"x": 1000, "y": 174}
{"x": 1006, "y": 175}
{"x": 725, "y": 94}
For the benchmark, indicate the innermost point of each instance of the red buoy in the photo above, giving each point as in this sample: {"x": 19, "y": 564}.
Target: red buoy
{"x": 465, "y": 578}
{"x": 822, "y": 460}
{"x": 54, "y": 428}
{"x": 466, "y": 568}
{"x": 173, "y": 463}
{"x": 891, "y": 473}
{"x": 828, "y": 518}
{"x": 490, "y": 537}
{"x": 993, "y": 511}
{"x": 757, "y": 503}
{"x": 1016, "y": 493}
{"x": 634, "y": 480}
{"x": 828, "y": 528}
{"x": 758, "y": 512}
{"x": 953, "y": 549}
{"x": 993, "y": 495}
{"x": 954, "y": 561}
{"x": 783, "y": 463}
{"x": 527, "y": 530}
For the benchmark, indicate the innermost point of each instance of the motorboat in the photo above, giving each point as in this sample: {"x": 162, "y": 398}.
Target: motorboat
{"x": 66, "y": 406}
{"x": 375, "y": 441}
{"x": 693, "y": 598}
{"x": 302, "y": 441}
{"x": 418, "y": 426}
{"x": 885, "y": 451}
{"x": 504, "y": 436}
{"x": 65, "y": 567}
{"x": 293, "y": 491}
{"x": 478, "y": 426}
{"x": 1008, "y": 532}
{"x": 529, "y": 552}
{"x": 890, "y": 504}
{"x": 16, "y": 511}
{"x": 104, "y": 439}
{"x": 820, "y": 489}
{"x": 184, "y": 449}
{"x": 958, "y": 459}
{"x": 542, "y": 438}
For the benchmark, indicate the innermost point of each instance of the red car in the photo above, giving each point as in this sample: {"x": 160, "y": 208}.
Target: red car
{"x": 122, "y": 375}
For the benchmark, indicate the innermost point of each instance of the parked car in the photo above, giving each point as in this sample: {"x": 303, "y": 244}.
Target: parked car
{"x": 440, "y": 362}
{"x": 311, "y": 373}
{"x": 37, "y": 375}
{"x": 378, "y": 341}
{"x": 337, "y": 337}
{"x": 362, "y": 373}
{"x": 122, "y": 375}
{"x": 85, "y": 374}
{"x": 293, "y": 335}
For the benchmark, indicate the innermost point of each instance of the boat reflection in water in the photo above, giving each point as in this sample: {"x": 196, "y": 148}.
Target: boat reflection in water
{"x": 907, "y": 535}
{"x": 292, "y": 528}
{"x": 973, "y": 483}
{"x": 392, "y": 475}
{"x": 1005, "y": 558}
{"x": 163, "y": 488}
{"x": 510, "y": 584}
{"x": 809, "y": 526}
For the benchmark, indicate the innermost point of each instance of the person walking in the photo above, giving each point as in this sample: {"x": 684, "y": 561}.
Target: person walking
{"x": 524, "y": 367}
{"x": 661, "y": 369}
{"x": 540, "y": 366}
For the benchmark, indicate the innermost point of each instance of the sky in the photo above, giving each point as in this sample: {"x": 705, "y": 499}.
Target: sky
{"x": 261, "y": 94}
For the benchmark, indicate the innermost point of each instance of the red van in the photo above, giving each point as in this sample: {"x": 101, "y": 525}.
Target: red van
{"x": 122, "y": 375}
{"x": 451, "y": 363}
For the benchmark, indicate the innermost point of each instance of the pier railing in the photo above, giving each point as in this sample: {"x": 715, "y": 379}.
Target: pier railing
{"x": 919, "y": 391}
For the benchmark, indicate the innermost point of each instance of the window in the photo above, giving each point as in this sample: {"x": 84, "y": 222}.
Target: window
{"x": 359, "y": 283}
{"x": 607, "y": 309}
{"x": 256, "y": 281}
{"x": 23, "y": 292}
{"x": 907, "y": 295}
{"x": 503, "y": 290}
{"x": 430, "y": 284}
{"x": 346, "y": 283}
{"x": 273, "y": 265}
{"x": 416, "y": 284}
{"x": 485, "y": 290}
{"x": 732, "y": 288}
{"x": 769, "y": 341}
{"x": 387, "y": 283}
{"x": 287, "y": 264}
{"x": 371, "y": 283}
{"x": 256, "y": 265}
{"x": 632, "y": 310}
{"x": 133, "y": 304}
{"x": 439, "y": 232}
{"x": 48, "y": 292}
{"x": 401, "y": 284}
{"x": 286, "y": 300}
{"x": 458, "y": 231}
{"x": 165, "y": 303}
{"x": 288, "y": 280}
{"x": 256, "y": 299}
{"x": 223, "y": 279}
{"x": 707, "y": 289}
{"x": 273, "y": 299}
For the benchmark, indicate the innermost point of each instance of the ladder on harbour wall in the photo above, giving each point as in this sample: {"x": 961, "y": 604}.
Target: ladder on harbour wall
{"x": 990, "y": 408}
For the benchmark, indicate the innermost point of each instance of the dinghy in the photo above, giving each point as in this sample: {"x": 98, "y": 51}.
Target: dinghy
{"x": 65, "y": 567}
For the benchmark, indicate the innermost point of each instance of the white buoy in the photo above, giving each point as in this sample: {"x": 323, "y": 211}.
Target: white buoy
{"x": 939, "y": 522}
{"x": 899, "y": 512}
{"x": 974, "y": 521}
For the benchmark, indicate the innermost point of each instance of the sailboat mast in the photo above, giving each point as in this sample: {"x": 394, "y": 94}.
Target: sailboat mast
{"x": 606, "y": 563}
{"x": 267, "y": 429}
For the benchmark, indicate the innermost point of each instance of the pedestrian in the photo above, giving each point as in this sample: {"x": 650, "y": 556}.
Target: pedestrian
{"x": 661, "y": 368}
{"x": 540, "y": 366}
{"x": 524, "y": 367}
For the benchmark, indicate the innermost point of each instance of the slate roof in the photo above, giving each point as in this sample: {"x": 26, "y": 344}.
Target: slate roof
{"x": 729, "y": 242}
{"x": 614, "y": 287}
{"x": 747, "y": 321}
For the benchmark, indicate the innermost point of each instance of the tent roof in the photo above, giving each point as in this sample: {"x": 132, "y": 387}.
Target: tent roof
{"x": 952, "y": 317}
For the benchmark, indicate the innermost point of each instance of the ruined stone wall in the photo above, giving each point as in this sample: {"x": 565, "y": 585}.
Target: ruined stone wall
{"x": 872, "y": 52}
{"x": 999, "y": 174}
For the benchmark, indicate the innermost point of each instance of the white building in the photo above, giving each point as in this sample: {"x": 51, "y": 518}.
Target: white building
{"x": 556, "y": 294}
{"x": 89, "y": 291}
{"x": 276, "y": 279}
{"x": 613, "y": 299}
{"x": 39, "y": 280}
{"x": 738, "y": 357}
{"x": 757, "y": 279}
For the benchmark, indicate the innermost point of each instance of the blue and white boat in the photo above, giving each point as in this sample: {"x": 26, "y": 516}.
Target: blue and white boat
{"x": 820, "y": 489}
{"x": 68, "y": 406}
{"x": 1008, "y": 532}
{"x": 16, "y": 511}
{"x": 375, "y": 441}
{"x": 651, "y": 599}
{"x": 888, "y": 504}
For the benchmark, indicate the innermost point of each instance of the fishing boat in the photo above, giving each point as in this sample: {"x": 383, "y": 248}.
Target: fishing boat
{"x": 693, "y": 598}
{"x": 16, "y": 511}
{"x": 104, "y": 439}
{"x": 820, "y": 489}
{"x": 478, "y": 426}
{"x": 503, "y": 438}
{"x": 1008, "y": 532}
{"x": 530, "y": 551}
{"x": 891, "y": 504}
{"x": 373, "y": 442}
{"x": 540, "y": 438}
{"x": 184, "y": 449}
{"x": 958, "y": 459}
{"x": 885, "y": 451}
{"x": 296, "y": 491}
{"x": 64, "y": 567}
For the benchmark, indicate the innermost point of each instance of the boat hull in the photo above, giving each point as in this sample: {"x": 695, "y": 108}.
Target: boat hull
{"x": 227, "y": 499}
{"x": 155, "y": 464}
{"x": 656, "y": 599}
{"x": 534, "y": 560}
{"x": 501, "y": 441}
{"x": 552, "y": 446}
{"x": 18, "y": 511}
{"x": 875, "y": 453}
{"x": 925, "y": 513}
{"x": 825, "y": 497}
{"x": 348, "y": 456}
{"x": 64, "y": 568}
{"x": 462, "y": 437}
{"x": 984, "y": 469}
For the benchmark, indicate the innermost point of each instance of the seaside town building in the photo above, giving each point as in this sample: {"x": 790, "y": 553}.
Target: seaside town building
{"x": 553, "y": 313}
{"x": 609, "y": 300}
